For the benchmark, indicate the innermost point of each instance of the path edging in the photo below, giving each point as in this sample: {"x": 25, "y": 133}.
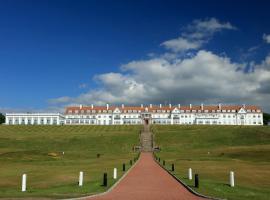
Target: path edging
{"x": 185, "y": 185}
{"x": 111, "y": 188}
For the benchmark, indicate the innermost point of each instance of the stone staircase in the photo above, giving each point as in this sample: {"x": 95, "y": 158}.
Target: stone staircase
{"x": 146, "y": 139}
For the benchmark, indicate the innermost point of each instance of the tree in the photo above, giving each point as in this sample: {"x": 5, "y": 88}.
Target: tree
{"x": 266, "y": 118}
{"x": 2, "y": 118}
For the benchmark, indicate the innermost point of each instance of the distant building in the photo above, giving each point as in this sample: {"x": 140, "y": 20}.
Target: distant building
{"x": 35, "y": 119}
{"x": 152, "y": 114}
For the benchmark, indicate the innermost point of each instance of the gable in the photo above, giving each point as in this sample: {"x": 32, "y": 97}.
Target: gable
{"x": 242, "y": 111}
{"x": 175, "y": 110}
{"x": 116, "y": 110}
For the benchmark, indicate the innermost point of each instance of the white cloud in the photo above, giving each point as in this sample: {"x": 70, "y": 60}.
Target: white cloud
{"x": 266, "y": 38}
{"x": 196, "y": 34}
{"x": 205, "y": 77}
{"x": 181, "y": 44}
{"x": 199, "y": 27}
{"x": 198, "y": 76}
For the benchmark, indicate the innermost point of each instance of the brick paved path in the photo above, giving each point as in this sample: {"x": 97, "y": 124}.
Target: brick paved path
{"x": 147, "y": 181}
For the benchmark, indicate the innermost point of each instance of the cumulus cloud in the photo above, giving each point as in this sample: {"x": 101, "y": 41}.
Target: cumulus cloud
{"x": 196, "y": 34}
{"x": 181, "y": 44}
{"x": 206, "y": 77}
{"x": 266, "y": 38}
{"x": 199, "y": 76}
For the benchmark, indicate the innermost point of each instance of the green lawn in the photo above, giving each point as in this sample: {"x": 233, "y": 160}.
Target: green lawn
{"x": 37, "y": 151}
{"x": 213, "y": 151}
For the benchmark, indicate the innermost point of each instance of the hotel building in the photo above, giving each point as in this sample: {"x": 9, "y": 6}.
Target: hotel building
{"x": 150, "y": 114}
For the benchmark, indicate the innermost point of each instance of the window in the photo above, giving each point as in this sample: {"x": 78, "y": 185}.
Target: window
{"x": 54, "y": 120}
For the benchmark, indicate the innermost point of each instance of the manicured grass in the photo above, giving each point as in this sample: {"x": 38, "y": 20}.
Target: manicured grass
{"x": 38, "y": 152}
{"x": 213, "y": 151}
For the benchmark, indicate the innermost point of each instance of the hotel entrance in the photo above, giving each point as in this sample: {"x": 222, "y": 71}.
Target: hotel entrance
{"x": 146, "y": 121}
{"x": 146, "y": 118}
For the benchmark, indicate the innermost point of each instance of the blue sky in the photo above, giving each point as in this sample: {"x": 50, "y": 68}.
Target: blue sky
{"x": 58, "y": 53}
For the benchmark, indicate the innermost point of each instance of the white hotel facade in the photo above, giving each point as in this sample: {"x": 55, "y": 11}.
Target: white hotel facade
{"x": 150, "y": 114}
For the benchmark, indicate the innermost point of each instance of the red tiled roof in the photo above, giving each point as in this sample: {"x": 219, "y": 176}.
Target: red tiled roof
{"x": 170, "y": 108}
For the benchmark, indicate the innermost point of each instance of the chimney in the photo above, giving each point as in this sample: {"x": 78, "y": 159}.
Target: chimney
{"x": 123, "y": 106}
{"x": 160, "y": 105}
{"x": 179, "y": 106}
{"x": 107, "y": 105}
{"x": 170, "y": 105}
{"x": 141, "y": 105}
{"x": 202, "y": 106}
{"x": 80, "y": 106}
{"x": 219, "y": 106}
{"x": 244, "y": 105}
{"x": 150, "y": 106}
{"x": 190, "y": 106}
{"x": 92, "y": 106}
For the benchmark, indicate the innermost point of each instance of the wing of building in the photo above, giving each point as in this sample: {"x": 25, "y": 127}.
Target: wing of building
{"x": 151, "y": 114}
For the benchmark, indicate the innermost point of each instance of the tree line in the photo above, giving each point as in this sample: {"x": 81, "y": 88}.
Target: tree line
{"x": 2, "y": 118}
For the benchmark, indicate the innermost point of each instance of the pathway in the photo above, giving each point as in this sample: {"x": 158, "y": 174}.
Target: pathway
{"x": 147, "y": 180}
